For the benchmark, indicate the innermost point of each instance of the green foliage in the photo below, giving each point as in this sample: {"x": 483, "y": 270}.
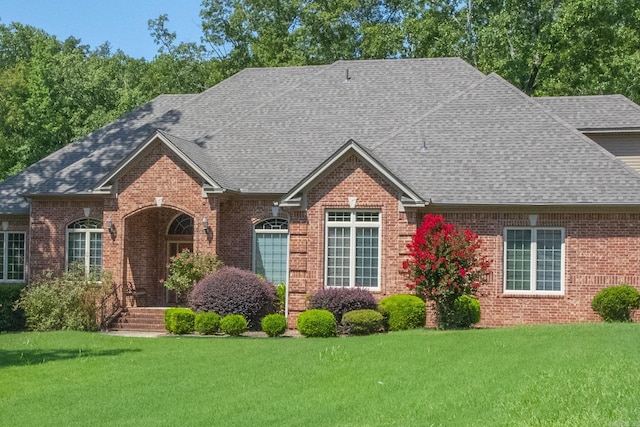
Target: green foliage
{"x": 179, "y": 321}
{"x": 362, "y": 322}
{"x": 11, "y": 318}
{"x": 66, "y": 302}
{"x": 403, "y": 312}
{"x": 187, "y": 268}
{"x": 274, "y": 325}
{"x": 233, "y": 324}
{"x": 615, "y": 303}
{"x": 207, "y": 323}
{"x": 317, "y": 323}
{"x": 466, "y": 312}
{"x": 281, "y": 292}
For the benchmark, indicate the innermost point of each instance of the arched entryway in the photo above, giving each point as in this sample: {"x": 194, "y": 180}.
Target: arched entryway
{"x": 152, "y": 236}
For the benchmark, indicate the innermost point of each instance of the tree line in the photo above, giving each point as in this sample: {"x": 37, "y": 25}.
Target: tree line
{"x": 53, "y": 92}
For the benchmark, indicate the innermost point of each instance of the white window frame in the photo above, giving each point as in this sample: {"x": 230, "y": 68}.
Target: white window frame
{"x": 269, "y": 231}
{"x": 533, "y": 262}
{"x": 87, "y": 248}
{"x": 5, "y": 257}
{"x": 353, "y": 225}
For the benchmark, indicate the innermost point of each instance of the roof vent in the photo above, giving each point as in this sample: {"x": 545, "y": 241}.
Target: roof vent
{"x": 423, "y": 149}
{"x": 348, "y": 76}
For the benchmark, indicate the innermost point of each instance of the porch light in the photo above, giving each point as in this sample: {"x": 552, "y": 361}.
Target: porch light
{"x": 205, "y": 225}
{"x": 110, "y": 228}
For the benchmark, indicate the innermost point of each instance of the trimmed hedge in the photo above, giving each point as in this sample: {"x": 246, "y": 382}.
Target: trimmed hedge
{"x": 274, "y": 325}
{"x": 342, "y": 300}
{"x": 233, "y": 324}
{"x": 362, "y": 322}
{"x": 11, "y": 318}
{"x": 317, "y": 323}
{"x": 207, "y": 323}
{"x": 614, "y": 304}
{"x": 403, "y": 311}
{"x": 179, "y": 321}
{"x": 466, "y": 312}
{"x": 231, "y": 290}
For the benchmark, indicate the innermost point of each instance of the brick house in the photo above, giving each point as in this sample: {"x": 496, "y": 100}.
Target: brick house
{"x": 318, "y": 176}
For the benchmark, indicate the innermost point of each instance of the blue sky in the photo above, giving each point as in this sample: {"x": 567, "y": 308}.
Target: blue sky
{"x": 121, "y": 22}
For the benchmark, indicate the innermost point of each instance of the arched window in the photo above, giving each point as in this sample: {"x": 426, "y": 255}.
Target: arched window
{"x": 84, "y": 244}
{"x": 271, "y": 249}
{"x": 182, "y": 225}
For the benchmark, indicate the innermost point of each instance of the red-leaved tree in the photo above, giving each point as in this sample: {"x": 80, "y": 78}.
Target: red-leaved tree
{"x": 444, "y": 264}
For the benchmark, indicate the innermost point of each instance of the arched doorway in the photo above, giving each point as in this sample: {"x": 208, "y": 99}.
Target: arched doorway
{"x": 179, "y": 238}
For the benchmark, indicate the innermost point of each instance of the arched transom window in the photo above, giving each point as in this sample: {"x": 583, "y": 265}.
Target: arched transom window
{"x": 271, "y": 249}
{"x": 84, "y": 244}
{"x": 182, "y": 225}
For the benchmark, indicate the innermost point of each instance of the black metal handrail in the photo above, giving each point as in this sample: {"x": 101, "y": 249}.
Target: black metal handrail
{"x": 110, "y": 307}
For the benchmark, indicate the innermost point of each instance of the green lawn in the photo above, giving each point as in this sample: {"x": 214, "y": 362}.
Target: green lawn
{"x": 577, "y": 375}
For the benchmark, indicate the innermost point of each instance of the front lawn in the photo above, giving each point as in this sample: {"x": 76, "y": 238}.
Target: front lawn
{"x": 576, "y": 375}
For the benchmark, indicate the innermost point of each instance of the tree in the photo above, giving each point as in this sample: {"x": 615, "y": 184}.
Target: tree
{"x": 443, "y": 265}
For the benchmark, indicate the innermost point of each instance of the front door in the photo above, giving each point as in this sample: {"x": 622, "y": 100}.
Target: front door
{"x": 173, "y": 249}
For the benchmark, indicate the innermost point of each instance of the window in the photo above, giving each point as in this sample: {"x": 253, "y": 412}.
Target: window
{"x": 12, "y": 253}
{"x": 84, "y": 245}
{"x": 352, "y": 249}
{"x": 271, "y": 250}
{"x": 534, "y": 256}
{"x": 182, "y": 225}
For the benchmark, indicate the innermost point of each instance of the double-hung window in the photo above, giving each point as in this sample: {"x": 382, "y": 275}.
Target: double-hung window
{"x": 271, "y": 250}
{"x": 352, "y": 248}
{"x": 534, "y": 260}
{"x": 84, "y": 245}
{"x": 12, "y": 253}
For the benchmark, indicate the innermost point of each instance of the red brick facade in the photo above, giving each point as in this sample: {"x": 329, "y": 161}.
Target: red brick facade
{"x": 601, "y": 249}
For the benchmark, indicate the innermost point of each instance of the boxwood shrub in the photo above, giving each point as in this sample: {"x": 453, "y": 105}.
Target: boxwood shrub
{"x": 362, "y": 322}
{"x": 11, "y": 318}
{"x": 614, "y": 304}
{"x": 233, "y": 324}
{"x": 234, "y": 291}
{"x": 341, "y": 300}
{"x": 179, "y": 320}
{"x": 274, "y": 325}
{"x": 466, "y": 312}
{"x": 403, "y": 311}
{"x": 317, "y": 323}
{"x": 207, "y": 323}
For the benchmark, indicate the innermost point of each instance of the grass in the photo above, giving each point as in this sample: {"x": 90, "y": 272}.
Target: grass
{"x": 576, "y": 375}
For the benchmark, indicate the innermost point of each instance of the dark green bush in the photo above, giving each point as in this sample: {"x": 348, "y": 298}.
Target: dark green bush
{"x": 362, "y": 322}
{"x": 233, "y": 324}
{"x": 466, "y": 312}
{"x": 180, "y": 321}
{"x": 274, "y": 325}
{"x": 11, "y": 318}
{"x": 341, "y": 300}
{"x": 403, "y": 311}
{"x": 207, "y": 323}
{"x": 317, "y": 323}
{"x": 614, "y": 304}
{"x": 67, "y": 302}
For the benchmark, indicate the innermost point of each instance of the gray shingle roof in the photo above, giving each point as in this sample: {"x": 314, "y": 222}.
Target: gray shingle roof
{"x": 594, "y": 112}
{"x": 265, "y": 130}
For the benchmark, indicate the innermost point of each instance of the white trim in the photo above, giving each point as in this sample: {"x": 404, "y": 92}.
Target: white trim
{"x": 352, "y": 224}
{"x": 533, "y": 258}
{"x": 87, "y": 249}
{"x": 5, "y": 257}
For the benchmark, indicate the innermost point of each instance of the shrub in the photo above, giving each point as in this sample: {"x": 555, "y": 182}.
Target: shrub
{"x": 281, "y": 292}
{"x": 362, "y": 322}
{"x": 403, "y": 311}
{"x": 614, "y": 304}
{"x": 274, "y": 324}
{"x": 180, "y": 320}
{"x": 234, "y": 291}
{"x": 317, "y": 323}
{"x": 187, "y": 268}
{"x": 11, "y": 318}
{"x": 207, "y": 323}
{"x": 67, "y": 302}
{"x": 466, "y": 312}
{"x": 233, "y": 324}
{"x": 341, "y": 300}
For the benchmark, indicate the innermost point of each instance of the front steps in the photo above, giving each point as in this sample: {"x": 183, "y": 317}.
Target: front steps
{"x": 141, "y": 319}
